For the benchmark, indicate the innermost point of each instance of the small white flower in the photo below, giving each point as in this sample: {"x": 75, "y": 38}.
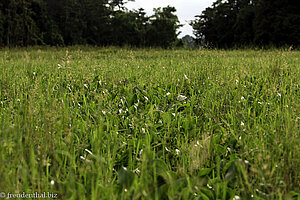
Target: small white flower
{"x": 123, "y": 145}
{"x": 141, "y": 151}
{"x": 242, "y": 98}
{"x": 236, "y": 197}
{"x": 236, "y": 81}
{"x": 181, "y": 98}
{"x": 88, "y": 151}
{"x": 168, "y": 93}
{"x": 52, "y": 182}
{"x": 86, "y": 160}
{"x": 143, "y": 130}
{"x": 18, "y": 100}
{"x": 34, "y": 73}
{"x": 82, "y": 158}
{"x": 137, "y": 171}
{"x": 209, "y": 186}
{"x": 173, "y": 114}
{"x": 259, "y": 102}
{"x": 177, "y": 151}
{"x": 242, "y": 124}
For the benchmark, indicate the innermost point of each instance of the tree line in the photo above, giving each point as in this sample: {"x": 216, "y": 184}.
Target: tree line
{"x": 93, "y": 22}
{"x": 227, "y": 23}
{"x": 235, "y": 23}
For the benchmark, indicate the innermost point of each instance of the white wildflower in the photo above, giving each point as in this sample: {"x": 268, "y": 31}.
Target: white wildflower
{"x": 242, "y": 124}
{"x": 242, "y": 98}
{"x": 168, "y": 93}
{"x": 209, "y": 186}
{"x": 177, "y": 151}
{"x": 52, "y": 182}
{"x": 137, "y": 171}
{"x": 123, "y": 144}
{"x": 236, "y": 81}
{"x": 82, "y": 158}
{"x": 86, "y": 160}
{"x": 181, "y": 98}
{"x": 88, "y": 151}
{"x": 236, "y": 197}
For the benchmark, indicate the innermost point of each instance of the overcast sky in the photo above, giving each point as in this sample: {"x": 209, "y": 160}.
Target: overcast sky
{"x": 186, "y": 9}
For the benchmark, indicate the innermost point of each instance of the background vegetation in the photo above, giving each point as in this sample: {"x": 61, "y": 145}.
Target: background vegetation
{"x": 226, "y": 24}
{"x": 150, "y": 124}
{"x": 236, "y": 23}
{"x": 94, "y": 22}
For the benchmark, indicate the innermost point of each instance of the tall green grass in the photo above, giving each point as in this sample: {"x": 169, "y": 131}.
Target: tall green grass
{"x": 109, "y": 123}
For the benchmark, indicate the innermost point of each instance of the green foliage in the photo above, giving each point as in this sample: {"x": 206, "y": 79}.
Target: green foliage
{"x": 96, "y": 123}
{"x": 245, "y": 22}
{"x": 94, "y": 22}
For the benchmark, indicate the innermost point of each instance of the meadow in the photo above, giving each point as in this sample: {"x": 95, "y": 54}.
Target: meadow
{"x": 112, "y": 123}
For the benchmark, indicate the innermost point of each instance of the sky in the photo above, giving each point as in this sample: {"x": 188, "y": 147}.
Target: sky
{"x": 186, "y": 10}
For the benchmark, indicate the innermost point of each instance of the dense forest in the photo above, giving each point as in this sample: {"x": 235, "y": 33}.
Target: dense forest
{"x": 249, "y": 22}
{"x": 230, "y": 23}
{"x": 93, "y": 22}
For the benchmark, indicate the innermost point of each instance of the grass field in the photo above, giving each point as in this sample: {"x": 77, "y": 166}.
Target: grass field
{"x": 109, "y": 123}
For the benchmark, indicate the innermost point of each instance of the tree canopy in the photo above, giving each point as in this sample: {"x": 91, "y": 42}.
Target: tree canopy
{"x": 94, "y": 22}
{"x": 229, "y": 23}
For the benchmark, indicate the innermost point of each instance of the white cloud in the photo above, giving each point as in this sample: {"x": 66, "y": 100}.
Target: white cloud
{"x": 186, "y": 9}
